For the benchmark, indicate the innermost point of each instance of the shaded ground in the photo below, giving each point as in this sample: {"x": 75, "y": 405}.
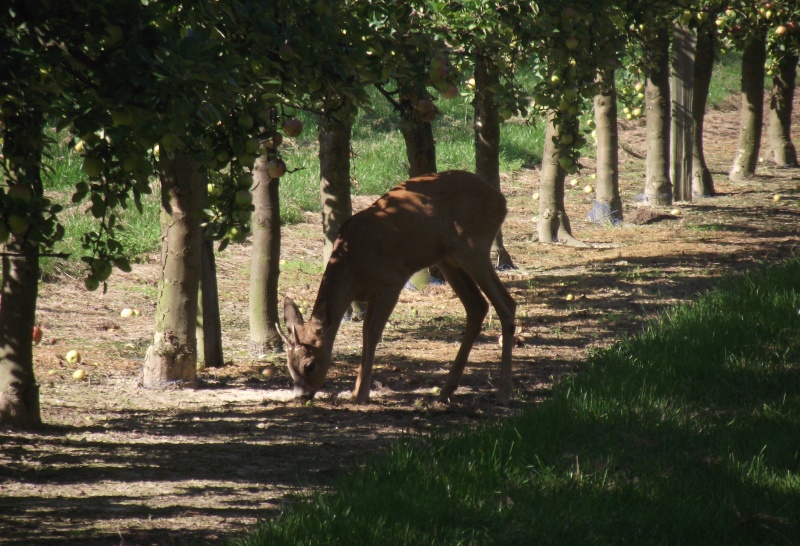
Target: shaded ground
{"x": 120, "y": 465}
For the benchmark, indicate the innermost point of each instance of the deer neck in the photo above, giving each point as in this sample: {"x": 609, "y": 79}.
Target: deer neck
{"x": 333, "y": 300}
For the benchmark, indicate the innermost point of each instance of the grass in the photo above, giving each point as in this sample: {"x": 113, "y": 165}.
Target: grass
{"x": 684, "y": 434}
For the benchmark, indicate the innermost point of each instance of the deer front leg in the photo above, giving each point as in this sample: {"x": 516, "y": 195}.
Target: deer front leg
{"x": 375, "y": 317}
{"x": 481, "y": 270}
{"x": 476, "y": 308}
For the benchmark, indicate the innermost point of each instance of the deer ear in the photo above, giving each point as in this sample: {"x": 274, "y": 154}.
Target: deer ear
{"x": 291, "y": 315}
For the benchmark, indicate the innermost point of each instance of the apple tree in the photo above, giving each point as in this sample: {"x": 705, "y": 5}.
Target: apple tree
{"x": 783, "y": 47}
{"x": 745, "y": 25}
{"x": 575, "y": 42}
{"x": 490, "y": 40}
{"x": 42, "y": 46}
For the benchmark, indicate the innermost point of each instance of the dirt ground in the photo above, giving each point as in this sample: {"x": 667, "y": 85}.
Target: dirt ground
{"x": 118, "y": 465}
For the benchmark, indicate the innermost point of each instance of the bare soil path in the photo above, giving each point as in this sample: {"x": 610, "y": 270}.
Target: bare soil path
{"x": 120, "y": 465}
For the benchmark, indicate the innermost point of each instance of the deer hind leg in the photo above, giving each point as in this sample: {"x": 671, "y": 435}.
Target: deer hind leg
{"x": 476, "y": 307}
{"x": 378, "y": 311}
{"x": 479, "y": 266}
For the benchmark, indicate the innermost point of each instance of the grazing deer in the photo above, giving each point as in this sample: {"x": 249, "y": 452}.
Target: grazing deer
{"x": 449, "y": 220}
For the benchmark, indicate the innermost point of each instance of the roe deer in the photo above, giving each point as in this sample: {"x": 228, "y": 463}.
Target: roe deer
{"x": 448, "y": 219}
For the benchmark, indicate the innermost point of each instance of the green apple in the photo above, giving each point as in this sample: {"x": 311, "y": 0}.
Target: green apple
{"x": 91, "y": 283}
{"x": 21, "y": 193}
{"x": 101, "y": 269}
{"x": 251, "y": 146}
{"x": 243, "y": 198}
{"x": 246, "y": 160}
{"x": 246, "y": 121}
{"x": 121, "y": 118}
{"x": 18, "y": 224}
{"x": 241, "y": 216}
{"x": 236, "y": 235}
{"x": 572, "y": 43}
{"x": 113, "y": 35}
{"x": 245, "y": 180}
{"x": 93, "y": 166}
{"x": 170, "y": 142}
{"x": 73, "y": 356}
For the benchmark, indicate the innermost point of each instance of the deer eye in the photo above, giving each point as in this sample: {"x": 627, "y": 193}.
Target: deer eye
{"x": 309, "y": 368}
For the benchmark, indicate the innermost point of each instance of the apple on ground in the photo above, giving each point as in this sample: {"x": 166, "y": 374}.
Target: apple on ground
{"x": 73, "y": 356}
{"x": 37, "y": 334}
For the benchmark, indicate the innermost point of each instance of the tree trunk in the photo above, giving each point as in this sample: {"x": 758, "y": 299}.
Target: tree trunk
{"x": 209, "y": 326}
{"x": 702, "y": 182}
{"x": 420, "y": 145}
{"x": 681, "y": 93}
{"x": 553, "y": 221}
{"x": 265, "y": 261}
{"x": 608, "y": 203}
{"x": 752, "y": 111}
{"x": 658, "y": 188}
{"x": 19, "y": 393}
{"x": 334, "y": 176}
{"x": 172, "y": 358}
{"x": 487, "y": 142}
{"x": 781, "y": 148}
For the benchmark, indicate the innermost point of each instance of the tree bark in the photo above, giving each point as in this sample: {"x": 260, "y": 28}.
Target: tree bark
{"x": 554, "y": 224}
{"x": 335, "y": 136}
{"x": 265, "y": 261}
{"x": 23, "y": 144}
{"x": 681, "y": 93}
{"x": 209, "y": 326}
{"x": 781, "y": 149}
{"x": 487, "y": 142}
{"x": 171, "y": 360}
{"x": 702, "y": 182}
{"x": 751, "y": 115}
{"x": 608, "y": 203}
{"x": 420, "y": 144}
{"x": 658, "y": 188}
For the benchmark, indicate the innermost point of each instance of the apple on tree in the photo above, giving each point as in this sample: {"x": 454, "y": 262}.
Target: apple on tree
{"x": 276, "y": 168}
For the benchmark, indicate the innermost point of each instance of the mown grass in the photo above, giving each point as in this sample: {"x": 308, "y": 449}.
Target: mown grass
{"x": 684, "y": 434}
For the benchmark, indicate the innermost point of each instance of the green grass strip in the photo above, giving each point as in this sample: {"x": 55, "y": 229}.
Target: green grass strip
{"x": 688, "y": 433}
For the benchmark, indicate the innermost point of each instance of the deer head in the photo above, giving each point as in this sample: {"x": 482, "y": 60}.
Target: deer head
{"x": 307, "y": 357}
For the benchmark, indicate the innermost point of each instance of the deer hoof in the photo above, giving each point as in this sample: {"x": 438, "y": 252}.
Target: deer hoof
{"x": 361, "y": 398}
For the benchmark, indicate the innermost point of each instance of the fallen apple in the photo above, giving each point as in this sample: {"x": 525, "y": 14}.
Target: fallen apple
{"x": 79, "y": 375}
{"x": 126, "y": 313}
{"x": 73, "y": 356}
{"x": 37, "y": 334}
